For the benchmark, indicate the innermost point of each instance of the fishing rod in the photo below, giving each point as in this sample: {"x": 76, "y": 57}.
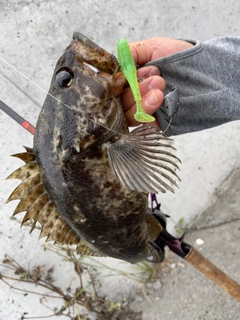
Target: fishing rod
{"x": 176, "y": 245}
{"x": 194, "y": 257}
{"x": 14, "y": 115}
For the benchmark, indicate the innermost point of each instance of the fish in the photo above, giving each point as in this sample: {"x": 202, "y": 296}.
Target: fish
{"x": 87, "y": 178}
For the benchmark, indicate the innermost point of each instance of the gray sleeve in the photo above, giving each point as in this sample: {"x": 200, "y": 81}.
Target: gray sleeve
{"x": 206, "y": 81}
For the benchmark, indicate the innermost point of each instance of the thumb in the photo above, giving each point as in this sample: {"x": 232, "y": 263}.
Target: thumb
{"x": 154, "y": 48}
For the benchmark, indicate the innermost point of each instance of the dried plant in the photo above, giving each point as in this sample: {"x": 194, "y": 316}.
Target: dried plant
{"x": 78, "y": 304}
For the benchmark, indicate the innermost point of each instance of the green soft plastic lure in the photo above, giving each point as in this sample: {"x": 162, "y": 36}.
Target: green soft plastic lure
{"x": 128, "y": 68}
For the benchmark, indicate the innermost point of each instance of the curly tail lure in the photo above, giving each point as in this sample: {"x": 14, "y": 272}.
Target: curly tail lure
{"x": 128, "y": 68}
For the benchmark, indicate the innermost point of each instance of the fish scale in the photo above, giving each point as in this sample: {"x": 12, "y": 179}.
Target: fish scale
{"x": 87, "y": 178}
{"x": 56, "y": 227}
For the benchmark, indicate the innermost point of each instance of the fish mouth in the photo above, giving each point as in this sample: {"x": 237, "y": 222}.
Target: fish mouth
{"x": 91, "y": 53}
{"x": 82, "y": 38}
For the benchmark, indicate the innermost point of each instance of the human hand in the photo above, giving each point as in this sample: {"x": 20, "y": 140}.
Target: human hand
{"x": 153, "y": 85}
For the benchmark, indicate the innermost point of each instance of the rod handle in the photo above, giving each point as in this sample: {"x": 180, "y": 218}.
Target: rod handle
{"x": 201, "y": 263}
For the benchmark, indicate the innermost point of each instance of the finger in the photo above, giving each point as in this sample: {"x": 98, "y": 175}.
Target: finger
{"x": 145, "y": 86}
{"x": 141, "y": 51}
{"x": 149, "y": 71}
{"x": 154, "y": 48}
{"x": 150, "y": 102}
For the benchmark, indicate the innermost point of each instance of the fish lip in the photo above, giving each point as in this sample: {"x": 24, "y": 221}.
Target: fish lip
{"x": 78, "y": 35}
{"x": 83, "y": 39}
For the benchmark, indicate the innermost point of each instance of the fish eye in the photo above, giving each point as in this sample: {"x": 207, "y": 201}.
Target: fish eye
{"x": 64, "y": 77}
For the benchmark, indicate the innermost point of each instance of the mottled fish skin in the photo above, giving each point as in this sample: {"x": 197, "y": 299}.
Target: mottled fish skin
{"x": 86, "y": 180}
{"x": 71, "y": 152}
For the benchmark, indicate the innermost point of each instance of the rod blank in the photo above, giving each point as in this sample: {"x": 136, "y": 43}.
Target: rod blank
{"x": 14, "y": 115}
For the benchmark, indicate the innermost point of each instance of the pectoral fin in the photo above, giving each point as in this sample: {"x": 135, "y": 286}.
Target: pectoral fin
{"x": 144, "y": 160}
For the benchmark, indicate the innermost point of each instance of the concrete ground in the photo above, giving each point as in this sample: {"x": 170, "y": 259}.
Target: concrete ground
{"x": 187, "y": 294}
{"x": 33, "y": 35}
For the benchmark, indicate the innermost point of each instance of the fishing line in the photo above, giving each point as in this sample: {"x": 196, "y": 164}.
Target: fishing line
{"x": 20, "y": 89}
{"x": 58, "y": 100}
{"x": 167, "y": 126}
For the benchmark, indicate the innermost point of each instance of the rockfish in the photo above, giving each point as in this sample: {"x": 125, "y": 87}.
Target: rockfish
{"x": 87, "y": 178}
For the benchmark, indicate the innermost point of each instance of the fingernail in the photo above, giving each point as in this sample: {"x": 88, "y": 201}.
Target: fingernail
{"x": 151, "y": 99}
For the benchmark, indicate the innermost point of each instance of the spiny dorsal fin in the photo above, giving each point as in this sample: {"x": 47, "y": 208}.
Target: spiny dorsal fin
{"x": 144, "y": 160}
{"x": 84, "y": 250}
{"x": 21, "y": 191}
{"x": 35, "y": 200}
{"x": 26, "y": 156}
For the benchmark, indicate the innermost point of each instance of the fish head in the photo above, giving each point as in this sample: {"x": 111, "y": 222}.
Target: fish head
{"x": 83, "y": 103}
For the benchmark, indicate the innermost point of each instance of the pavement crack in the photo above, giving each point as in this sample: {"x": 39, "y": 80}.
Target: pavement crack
{"x": 211, "y": 226}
